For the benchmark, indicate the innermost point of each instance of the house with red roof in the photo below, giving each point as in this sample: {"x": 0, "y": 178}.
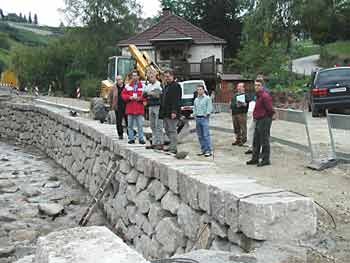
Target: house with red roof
{"x": 176, "y": 43}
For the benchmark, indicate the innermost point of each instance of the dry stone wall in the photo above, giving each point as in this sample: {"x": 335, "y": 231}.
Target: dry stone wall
{"x": 156, "y": 203}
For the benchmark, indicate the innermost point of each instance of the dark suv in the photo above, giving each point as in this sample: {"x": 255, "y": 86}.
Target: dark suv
{"x": 329, "y": 89}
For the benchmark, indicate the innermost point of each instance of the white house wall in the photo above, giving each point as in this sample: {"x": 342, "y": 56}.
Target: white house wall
{"x": 198, "y": 52}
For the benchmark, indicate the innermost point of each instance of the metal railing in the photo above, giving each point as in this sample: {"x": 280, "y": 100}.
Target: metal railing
{"x": 338, "y": 122}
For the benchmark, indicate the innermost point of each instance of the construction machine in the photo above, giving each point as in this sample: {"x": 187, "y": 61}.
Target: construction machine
{"x": 123, "y": 65}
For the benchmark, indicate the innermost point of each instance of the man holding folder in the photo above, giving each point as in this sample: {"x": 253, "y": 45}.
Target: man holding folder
{"x": 239, "y": 107}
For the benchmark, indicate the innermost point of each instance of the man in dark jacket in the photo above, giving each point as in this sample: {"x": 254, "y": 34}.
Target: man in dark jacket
{"x": 263, "y": 113}
{"x": 170, "y": 109}
{"x": 239, "y": 107}
{"x": 117, "y": 104}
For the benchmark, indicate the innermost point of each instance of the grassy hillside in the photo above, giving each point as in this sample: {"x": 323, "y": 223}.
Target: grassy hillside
{"x": 335, "y": 53}
{"x": 12, "y": 37}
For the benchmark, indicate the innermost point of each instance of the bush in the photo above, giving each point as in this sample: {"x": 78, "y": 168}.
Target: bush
{"x": 89, "y": 87}
{"x": 73, "y": 78}
{"x": 335, "y": 53}
{"x": 4, "y": 41}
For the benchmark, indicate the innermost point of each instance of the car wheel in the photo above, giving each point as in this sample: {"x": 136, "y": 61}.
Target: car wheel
{"x": 309, "y": 107}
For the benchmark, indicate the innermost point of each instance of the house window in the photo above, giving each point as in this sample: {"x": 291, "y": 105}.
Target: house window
{"x": 172, "y": 53}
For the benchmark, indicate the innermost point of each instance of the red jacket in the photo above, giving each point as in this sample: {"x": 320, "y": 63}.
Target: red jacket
{"x": 263, "y": 107}
{"x": 133, "y": 107}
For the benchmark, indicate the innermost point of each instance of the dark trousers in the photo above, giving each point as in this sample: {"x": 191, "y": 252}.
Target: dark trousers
{"x": 119, "y": 116}
{"x": 261, "y": 140}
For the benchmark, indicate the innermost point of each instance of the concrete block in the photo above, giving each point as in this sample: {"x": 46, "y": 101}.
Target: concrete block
{"x": 124, "y": 166}
{"x": 277, "y": 216}
{"x": 85, "y": 245}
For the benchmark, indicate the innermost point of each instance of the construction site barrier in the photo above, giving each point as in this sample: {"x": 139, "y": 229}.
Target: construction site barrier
{"x": 338, "y": 122}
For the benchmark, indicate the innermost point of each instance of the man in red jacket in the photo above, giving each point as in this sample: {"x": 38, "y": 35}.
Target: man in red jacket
{"x": 132, "y": 95}
{"x": 262, "y": 114}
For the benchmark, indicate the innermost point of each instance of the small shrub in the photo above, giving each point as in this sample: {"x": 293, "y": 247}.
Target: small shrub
{"x": 89, "y": 87}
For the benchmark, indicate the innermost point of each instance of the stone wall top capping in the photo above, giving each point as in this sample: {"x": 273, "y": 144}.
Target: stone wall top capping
{"x": 98, "y": 243}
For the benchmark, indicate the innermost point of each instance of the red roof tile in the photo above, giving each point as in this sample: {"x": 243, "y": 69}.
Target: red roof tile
{"x": 172, "y": 27}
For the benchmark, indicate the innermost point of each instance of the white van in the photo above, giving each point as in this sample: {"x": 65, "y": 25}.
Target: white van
{"x": 188, "y": 88}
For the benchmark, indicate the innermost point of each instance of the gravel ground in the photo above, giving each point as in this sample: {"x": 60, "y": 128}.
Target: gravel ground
{"x": 331, "y": 188}
{"x": 28, "y": 178}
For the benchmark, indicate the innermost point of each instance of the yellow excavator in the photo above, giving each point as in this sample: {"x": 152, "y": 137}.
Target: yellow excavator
{"x": 123, "y": 65}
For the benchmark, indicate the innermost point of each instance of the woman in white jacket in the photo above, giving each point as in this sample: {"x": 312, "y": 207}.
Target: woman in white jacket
{"x": 251, "y": 127}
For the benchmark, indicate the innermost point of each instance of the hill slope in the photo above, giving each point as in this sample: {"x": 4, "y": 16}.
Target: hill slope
{"x": 17, "y": 34}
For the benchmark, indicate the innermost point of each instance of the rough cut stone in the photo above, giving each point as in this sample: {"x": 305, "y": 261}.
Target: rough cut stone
{"x": 6, "y": 216}
{"x": 29, "y": 191}
{"x": 170, "y": 202}
{"x": 85, "y": 245}
{"x": 6, "y": 251}
{"x": 143, "y": 202}
{"x": 169, "y": 234}
{"x": 23, "y": 234}
{"x": 131, "y": 193}
{"x": 278, "y": 216}
{"x": 142, "y": 182}
{"x": 132, "y": 176}
{"x": 157, "y": 189}
{"x": 156, "y": 214}
{"x": 189, "y": 220}
{"x": 50, "y": 209}
{"x": 131, "y": 211}
{"x": 124, "y": 167}
{"x": 121, "y": 228}
{"x": 26, "y": 259}
{"x": 218, "y": 229}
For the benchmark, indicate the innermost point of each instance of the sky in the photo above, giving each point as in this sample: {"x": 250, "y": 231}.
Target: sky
{"x": 49, "y": 15}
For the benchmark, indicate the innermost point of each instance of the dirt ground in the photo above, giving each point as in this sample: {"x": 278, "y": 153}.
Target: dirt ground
{"x": 330, "y": 188}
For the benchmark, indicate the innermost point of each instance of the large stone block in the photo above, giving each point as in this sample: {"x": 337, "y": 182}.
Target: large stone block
{"x": 85, "y": 245}
{"x": 277, "y": 216}
{"x": 157, "y": 189}
{"x": 143, "y": 202}
{"x": 189, "y": 221}
{"x": 132, "y": 176}
{"x": 156, "y": 214}
{"x": 142, "y": 182}
{"x": 169, "y": 234}
{"x": 170, "y": 202}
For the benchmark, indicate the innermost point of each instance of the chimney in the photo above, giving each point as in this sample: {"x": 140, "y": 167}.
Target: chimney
{"x": 166, "y": 12}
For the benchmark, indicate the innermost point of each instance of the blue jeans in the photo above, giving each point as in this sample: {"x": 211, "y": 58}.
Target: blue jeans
{"x": 138, "y": 119}
{"x": 202, "y": 127}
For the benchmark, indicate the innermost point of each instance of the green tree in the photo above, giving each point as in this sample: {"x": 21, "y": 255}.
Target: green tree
{"x": 30, "y": 21}
{"x": 218, "y": 17}
{"x": 272, "y": 21}
{"x": 35, "y": 19}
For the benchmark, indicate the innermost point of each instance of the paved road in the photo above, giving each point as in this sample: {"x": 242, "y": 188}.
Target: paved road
{"x": 305, "y": 65}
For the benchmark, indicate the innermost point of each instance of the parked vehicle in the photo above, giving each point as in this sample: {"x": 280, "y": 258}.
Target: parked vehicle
{"x": 329, "y": 89}
{"x": 188, "y": 88}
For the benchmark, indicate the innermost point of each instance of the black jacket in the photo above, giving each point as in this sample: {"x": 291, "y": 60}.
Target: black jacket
{"x": 171, "y": 100}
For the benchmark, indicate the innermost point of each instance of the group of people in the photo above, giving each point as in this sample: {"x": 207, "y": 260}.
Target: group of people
{"x": 164, "y": 103}
{"x": 257, "y": 136}
{"x": 129, "y": 100}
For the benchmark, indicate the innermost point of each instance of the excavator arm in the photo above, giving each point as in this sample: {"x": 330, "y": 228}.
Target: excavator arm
{"x": 144, "y": 63}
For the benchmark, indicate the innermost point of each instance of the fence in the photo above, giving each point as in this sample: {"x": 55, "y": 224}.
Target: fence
{"x": 339, "y": 122}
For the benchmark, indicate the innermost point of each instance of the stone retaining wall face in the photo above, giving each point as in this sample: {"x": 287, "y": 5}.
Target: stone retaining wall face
{"x": 157, "y": 203}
